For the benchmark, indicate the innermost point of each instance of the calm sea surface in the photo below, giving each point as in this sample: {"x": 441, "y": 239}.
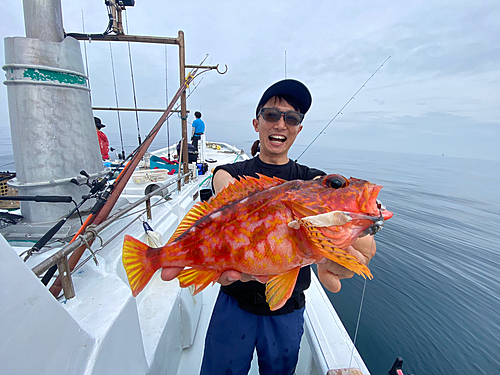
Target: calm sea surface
{"x": 435, "y": 296}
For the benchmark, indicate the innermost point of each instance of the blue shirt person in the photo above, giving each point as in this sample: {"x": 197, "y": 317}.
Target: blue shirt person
{"x": 198, "y": 129}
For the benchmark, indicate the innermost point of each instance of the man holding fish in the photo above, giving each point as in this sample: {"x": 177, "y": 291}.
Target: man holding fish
{"x": 242, "y": 319}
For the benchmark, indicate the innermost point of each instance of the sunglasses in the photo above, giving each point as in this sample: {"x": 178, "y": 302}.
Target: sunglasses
{"x": 292, "y": 118}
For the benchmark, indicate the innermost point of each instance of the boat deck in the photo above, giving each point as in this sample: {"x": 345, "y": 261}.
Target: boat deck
{"x": 106, "y": 330}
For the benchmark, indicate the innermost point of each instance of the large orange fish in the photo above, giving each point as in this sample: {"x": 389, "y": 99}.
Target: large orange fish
{"x": 264, "y": 226}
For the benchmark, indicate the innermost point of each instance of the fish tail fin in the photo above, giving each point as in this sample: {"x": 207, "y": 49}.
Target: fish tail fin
{"x": 137, "y": 264}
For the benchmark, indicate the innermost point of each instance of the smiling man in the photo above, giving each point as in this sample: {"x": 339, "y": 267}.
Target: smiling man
{"x": 242, "y": 320}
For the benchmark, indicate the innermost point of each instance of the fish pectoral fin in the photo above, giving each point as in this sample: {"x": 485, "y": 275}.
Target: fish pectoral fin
{"x": 279, "y": 288}
{"x": 298, "y": 210}
{"x": 199, "y": 278}
{"x": 324, "y": 245}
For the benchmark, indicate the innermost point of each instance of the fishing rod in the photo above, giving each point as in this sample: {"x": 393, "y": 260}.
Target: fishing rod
{"x": 109, "y": 197}
{"x": 310, "y": 144}
{"x": 340, "y": 111}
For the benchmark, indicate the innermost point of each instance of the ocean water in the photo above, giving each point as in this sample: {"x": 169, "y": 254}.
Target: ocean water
{"x": 435, "y": 296}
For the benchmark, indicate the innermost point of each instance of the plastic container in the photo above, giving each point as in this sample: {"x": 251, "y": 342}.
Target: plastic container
{"x": 6, "y": 190}
{"x": 151, "y": 175}
{"x": 157, "y": 162}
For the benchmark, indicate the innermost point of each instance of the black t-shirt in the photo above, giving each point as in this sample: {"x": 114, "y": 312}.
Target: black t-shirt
{"x": 251, "y": 295}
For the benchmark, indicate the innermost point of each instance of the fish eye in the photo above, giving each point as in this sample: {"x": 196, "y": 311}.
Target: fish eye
{"x": 336, "y": 181}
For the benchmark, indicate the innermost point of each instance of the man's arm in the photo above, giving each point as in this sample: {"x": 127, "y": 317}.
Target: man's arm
{"x": 330, "y": 273}
{"x": 221, "y": 180}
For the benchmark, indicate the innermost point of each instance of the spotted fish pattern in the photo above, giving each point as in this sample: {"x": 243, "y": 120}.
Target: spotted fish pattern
{"x": 263, "y": 226}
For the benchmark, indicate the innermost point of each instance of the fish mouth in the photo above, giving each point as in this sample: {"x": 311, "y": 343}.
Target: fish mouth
{"x": 278, "y": 138}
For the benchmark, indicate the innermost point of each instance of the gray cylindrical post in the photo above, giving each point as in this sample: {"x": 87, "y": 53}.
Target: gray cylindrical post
{"x": 43, "y": 20}
{"x": 51, "y": 120}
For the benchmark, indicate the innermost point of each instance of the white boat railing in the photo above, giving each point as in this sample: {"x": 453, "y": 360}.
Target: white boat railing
{"x": 60, "y": 258}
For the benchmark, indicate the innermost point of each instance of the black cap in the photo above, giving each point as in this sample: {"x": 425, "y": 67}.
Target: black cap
{"x": 291, "y": 87}
{"x": 98, "y": 123}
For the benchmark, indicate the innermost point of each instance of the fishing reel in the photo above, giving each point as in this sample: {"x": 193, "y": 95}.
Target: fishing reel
{"x": 99, "y": 189}
{"x": 96, "y": 186}
{"x": 85, "y": 174}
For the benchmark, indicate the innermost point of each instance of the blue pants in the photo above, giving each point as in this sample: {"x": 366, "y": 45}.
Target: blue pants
{"x": 233, "y": 334}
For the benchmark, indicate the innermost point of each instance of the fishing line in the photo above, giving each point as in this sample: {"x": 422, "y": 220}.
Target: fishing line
{"x": 4, "y": 165}
{"x": 357, "y": 326}
{"x": 166, "y": 101}
{"x": 168, "y": 116}
{"x": 285, "y": 64}
{"x": 133, "y": 83}
{"x": 340, "y": 111}
{"x": 86, "y": 59}
{"x": 116, "y": 100}
{"x": 359, "y": 315}
{"x": 190, "y": 76}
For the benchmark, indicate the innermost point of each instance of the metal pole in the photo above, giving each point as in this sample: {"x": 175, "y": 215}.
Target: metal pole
{"x": 43, "y": 20}
{"x": 182, "y": 73}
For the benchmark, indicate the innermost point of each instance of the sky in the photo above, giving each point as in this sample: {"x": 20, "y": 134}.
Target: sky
{"x": 438, "y": 94}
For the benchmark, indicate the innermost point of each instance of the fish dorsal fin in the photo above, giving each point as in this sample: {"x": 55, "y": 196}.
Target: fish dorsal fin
{"x": 235, "y": 191}
{"x": 243, "y": 188}
{"x": 195, "y": 213}
{"x": 280, "y": 288}
{"x": 322, "y": 241}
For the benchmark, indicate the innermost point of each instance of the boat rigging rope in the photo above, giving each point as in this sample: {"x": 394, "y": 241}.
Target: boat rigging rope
{"x": 116, "y": 100}
{"x": 340, "y": 111}
{"x": 133, "y": 83}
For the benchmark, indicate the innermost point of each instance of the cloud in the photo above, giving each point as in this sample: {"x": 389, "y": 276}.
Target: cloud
{"x": 440, "y": 83}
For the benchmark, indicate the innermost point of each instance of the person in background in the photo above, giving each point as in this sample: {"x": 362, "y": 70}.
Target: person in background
{"x": 198, "y": 129}
{"x": 103, "y": 139}
{"x": 241, "y": 319}
{"x": 255, "y": 149}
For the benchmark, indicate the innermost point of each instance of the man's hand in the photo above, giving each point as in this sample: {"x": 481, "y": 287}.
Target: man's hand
{"x": 230, "y": 276}
{"x": 170, "y": 273}
{"x": 227, "y": 277}
{"x": 330, "y": 273}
